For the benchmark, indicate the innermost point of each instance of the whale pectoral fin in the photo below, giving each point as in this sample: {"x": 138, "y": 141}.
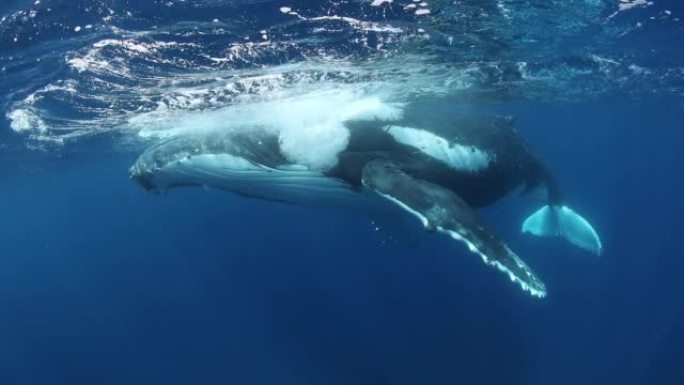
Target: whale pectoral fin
{"x": 442, "y": 210}
{"x": 561, "y": 221}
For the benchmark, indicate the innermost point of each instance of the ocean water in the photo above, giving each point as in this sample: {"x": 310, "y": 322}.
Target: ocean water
{"x": 102, "y": 282}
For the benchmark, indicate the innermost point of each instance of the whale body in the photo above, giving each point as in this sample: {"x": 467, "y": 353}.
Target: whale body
{"x": 441, "y": 174}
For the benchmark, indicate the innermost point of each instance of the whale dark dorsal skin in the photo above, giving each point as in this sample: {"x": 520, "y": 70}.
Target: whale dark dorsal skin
{"x": 440, "y": 174}
{"x": 510, "y": 163}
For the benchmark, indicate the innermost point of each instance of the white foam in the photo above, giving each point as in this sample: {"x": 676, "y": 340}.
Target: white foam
{"x": 359, "y": 24}
{"x": 81, "y": 64}
{"x": 627, "y": 4}
{"x": 317, "y": 146}
{"x": 130, "y": 45}
{"x": 23, "y": 120}
{"x": 311, "y": 127}
{"x": 312, "y": 130}
{"x": 127, "y": 93}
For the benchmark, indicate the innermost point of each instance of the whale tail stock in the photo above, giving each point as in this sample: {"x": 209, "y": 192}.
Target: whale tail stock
{"x": 561, "y": 221}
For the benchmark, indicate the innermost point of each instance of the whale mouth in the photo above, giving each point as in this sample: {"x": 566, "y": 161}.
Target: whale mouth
{"x": 143, "y": 177}
{"x": 149, "y": 166}
{"x": 146, "y": 167}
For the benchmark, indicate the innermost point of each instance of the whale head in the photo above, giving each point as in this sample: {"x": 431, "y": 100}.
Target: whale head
{"x": 249, "y": 164}
{"x": 150, "y": 170}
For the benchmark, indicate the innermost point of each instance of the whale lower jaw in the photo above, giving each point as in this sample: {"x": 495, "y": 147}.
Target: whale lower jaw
{"x": 292, "y": 184}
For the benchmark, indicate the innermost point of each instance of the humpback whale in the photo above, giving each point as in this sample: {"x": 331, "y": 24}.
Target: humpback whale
{"x": 442, "y": 174}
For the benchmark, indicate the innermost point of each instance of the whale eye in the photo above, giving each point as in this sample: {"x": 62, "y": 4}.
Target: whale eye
{"x": 158, "y": 161}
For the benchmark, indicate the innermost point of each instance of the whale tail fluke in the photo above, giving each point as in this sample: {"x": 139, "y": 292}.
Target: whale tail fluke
{"x": 561, "y": 221}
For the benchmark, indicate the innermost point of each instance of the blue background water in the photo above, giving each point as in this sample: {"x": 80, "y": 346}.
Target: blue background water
{"x": 103, "y": 283}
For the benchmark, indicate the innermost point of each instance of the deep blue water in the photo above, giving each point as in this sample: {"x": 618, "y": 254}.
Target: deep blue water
{"x": 102, "y": 282}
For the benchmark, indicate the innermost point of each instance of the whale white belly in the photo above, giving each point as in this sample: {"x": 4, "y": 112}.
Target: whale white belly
{"x": 293, "y": 184}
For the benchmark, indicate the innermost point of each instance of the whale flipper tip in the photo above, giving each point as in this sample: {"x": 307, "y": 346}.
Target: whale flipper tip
{"x": 444, "y": 211}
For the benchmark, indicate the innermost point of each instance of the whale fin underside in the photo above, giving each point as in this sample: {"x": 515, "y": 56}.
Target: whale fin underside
{"x": 442, "y": 210}
{"x": 561, "y": 221}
